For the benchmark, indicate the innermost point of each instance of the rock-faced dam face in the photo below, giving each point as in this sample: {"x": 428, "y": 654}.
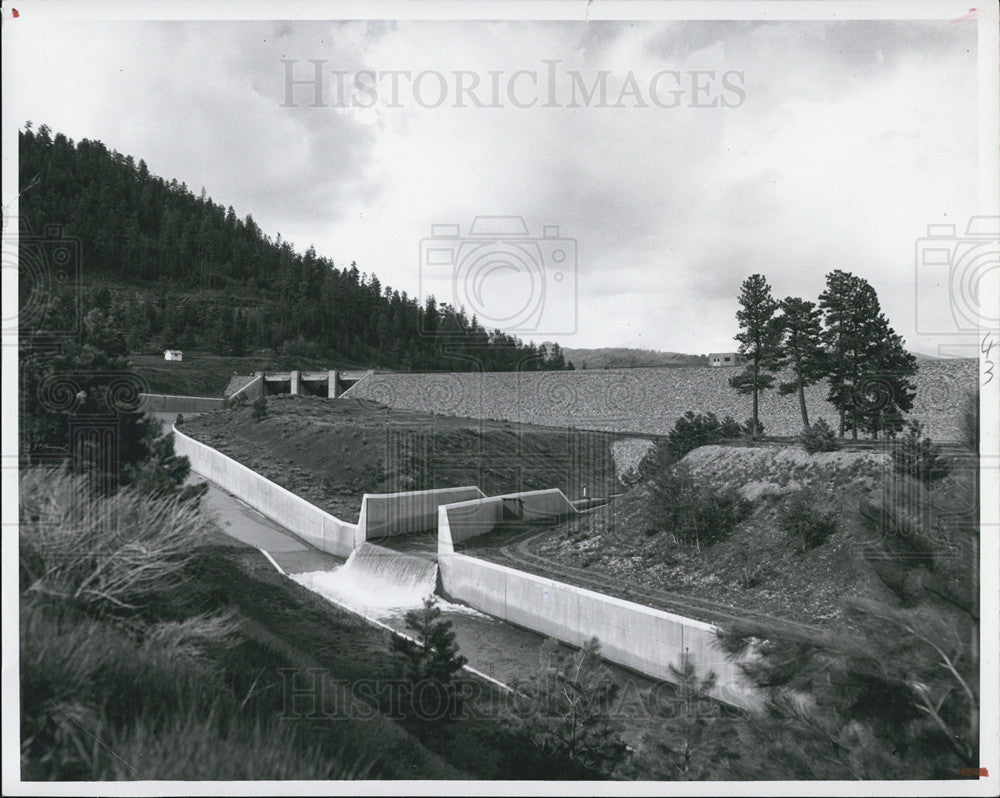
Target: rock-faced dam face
{"x": 645, "y": 399}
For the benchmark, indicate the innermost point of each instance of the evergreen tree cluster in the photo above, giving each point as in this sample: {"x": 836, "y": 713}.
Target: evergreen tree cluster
{"x": 844, "y": 339}
{"x": 200, "y": 277}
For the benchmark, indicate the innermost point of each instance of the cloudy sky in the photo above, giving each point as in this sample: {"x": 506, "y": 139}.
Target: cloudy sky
{"x": 722, "y": 149}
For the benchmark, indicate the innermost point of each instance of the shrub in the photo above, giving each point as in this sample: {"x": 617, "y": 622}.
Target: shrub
{"x": 693, "y": 430}
{"x": 692, "y": 512}
{"x": 694, "y": 734}
{"x": 730, "y": 428}
{"x": 803, "y": 518}
{"x": 258, "y": 411}
{"x": 690, "y": 431}
{"x": 917, "y": 456}
{"x": 118, "y": 555}
{"x": 565, "y": 712}
{"x": 819, "y": 437}
{"x": 102, "y": 700}
{"x": 750, "y": 430}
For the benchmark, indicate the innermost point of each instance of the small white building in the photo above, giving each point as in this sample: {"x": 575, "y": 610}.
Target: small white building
{"x": 173, "y": 354}
{"x": 726, "y": 359}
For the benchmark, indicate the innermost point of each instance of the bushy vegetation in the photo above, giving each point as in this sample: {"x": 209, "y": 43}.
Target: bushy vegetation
{"x": 85, "y": 383}
{"x": 120, "y": 555}
{"x": 899, "y": 692}
{"x": 130, "y": 668}
{"x": 564, "y": 714}
{"x": 819, "y": 437}
{"x": 806, "y": 519}
{"x": 696, "y": 737}
{"x": 917, "y": 456}
{"x": 690, "y": 511}
{"x": 258, "y": 411}
{"x": 690, "y": 431}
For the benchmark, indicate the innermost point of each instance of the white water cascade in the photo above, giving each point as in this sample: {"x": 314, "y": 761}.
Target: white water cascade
{"x": 375, "y": 581}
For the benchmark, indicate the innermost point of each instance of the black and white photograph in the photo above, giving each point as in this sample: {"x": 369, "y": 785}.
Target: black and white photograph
{"x": 501, "y": 398}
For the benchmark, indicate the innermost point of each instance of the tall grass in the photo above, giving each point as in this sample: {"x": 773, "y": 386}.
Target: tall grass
{"x": 113, "y": 555}
{"x": 131, "y": 669}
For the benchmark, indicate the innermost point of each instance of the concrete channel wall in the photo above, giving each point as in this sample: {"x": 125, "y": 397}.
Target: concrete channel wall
{"x": 463, "y": 520}
{"x": 318, "y": 528}
{"x": 639, "y": 637}
{"x": 384, "y": 514}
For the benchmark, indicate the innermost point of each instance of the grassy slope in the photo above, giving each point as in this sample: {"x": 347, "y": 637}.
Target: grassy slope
{"x": 331, "y": 452}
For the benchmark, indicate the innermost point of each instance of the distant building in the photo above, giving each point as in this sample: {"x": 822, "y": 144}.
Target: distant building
{"x": 173, "y": 354}
{"x": 726, "y": 359}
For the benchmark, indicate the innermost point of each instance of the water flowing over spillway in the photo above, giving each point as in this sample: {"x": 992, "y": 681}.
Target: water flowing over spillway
{"x": 376, "y": 581}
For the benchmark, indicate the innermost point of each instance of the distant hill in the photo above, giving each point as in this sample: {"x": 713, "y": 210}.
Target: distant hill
{"x": 623, "y": 357}
{"x": 170, "y": 269}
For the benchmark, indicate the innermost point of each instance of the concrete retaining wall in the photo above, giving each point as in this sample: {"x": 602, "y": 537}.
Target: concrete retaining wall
{"x": 316, "y": 527}
{"x": 639, "y": 637}
{"x": 642, "y": 638}
{"x": 463, "y": 520}
{"x": 168, "y": 403}
{"x": 384, "y": 514}
{"x": 253, "y": 389}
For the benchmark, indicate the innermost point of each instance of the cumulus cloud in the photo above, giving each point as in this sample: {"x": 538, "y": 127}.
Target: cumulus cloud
{"x": 848, "y": 139}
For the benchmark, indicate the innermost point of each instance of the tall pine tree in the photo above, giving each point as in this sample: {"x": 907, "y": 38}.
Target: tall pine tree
{"x": 760, "y": 339}
{"x": 802, "y": 348}
{"x": 868, "y": 368}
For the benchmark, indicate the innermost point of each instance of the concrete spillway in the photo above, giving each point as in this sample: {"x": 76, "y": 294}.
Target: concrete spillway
{"x": 376, "y": 581}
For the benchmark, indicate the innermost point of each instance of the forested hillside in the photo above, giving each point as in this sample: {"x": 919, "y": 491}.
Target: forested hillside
{"x": 170, "y": 268}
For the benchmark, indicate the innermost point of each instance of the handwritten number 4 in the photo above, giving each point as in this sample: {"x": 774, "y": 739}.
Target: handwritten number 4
{"x": 987, "y": 347}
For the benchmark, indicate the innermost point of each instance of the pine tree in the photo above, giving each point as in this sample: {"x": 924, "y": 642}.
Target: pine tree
{"x": 431, "y": 665}
{"x": 695, "y": 738}
{"x": 802, "y": 348}
{"x": 868, "y": 369}
{"x": 565, "y": 711}
{"x": 759, "y": 339}
{"x": 87, "y": 383}
{"x": 555, "y": 360}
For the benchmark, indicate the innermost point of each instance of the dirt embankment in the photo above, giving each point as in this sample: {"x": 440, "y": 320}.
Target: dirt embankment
{"x": 757, "y": 570}
{"x": 331, "y": 452}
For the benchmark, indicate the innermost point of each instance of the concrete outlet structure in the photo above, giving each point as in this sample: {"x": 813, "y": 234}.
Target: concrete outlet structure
{"x": 331, "y": 383}
{"x": 645, "y": 639}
